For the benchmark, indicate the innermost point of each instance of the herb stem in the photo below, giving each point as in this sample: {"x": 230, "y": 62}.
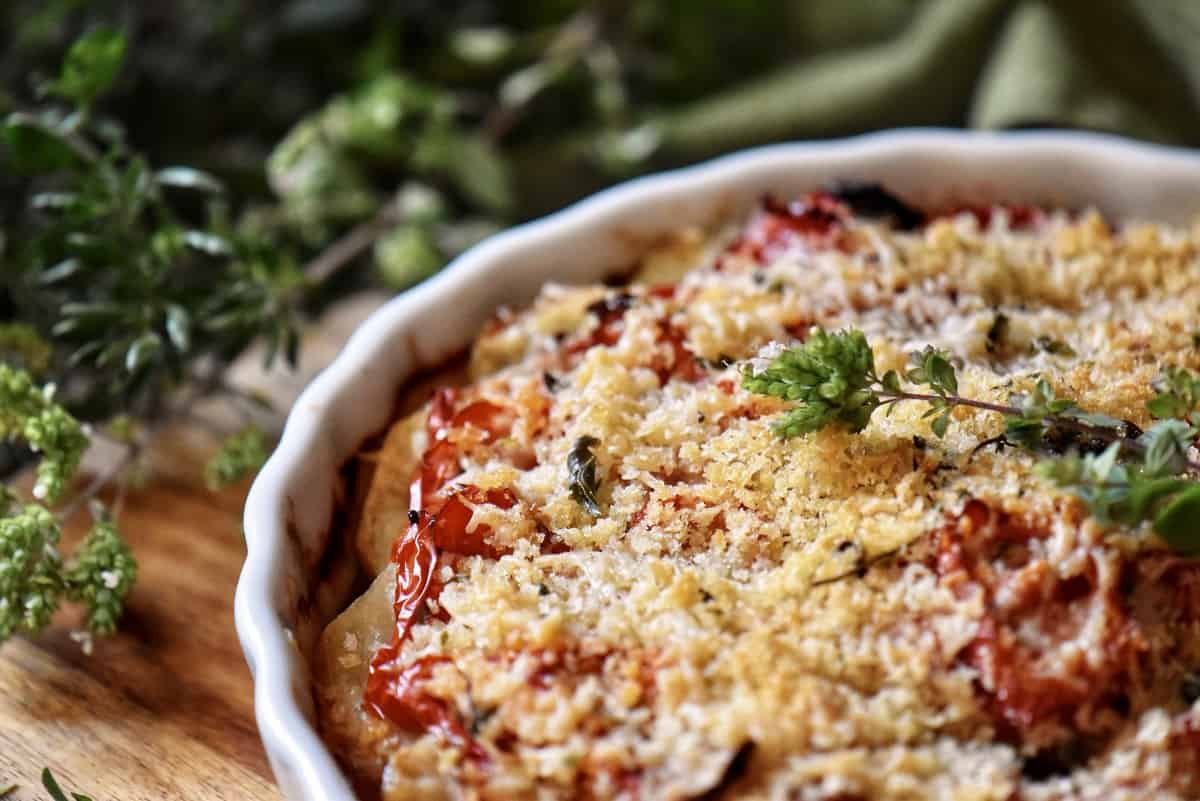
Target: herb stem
{"x": 343, "y": 251}
{"x": 1103, "y": 433}
{"x": 100, "y": 481}
{"x": 896, "y": 397}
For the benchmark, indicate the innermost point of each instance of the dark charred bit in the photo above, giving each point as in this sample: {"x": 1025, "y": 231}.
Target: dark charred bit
{"x": 919, "y": 443}
{"x": 551, "y": 542}
{"x": 1059, "y": 760}
{"x": 482, "y": 716}
{"x": 1000, "y": 441}
{"x": 735, "y": 770}
{"x": 722, "y": 362}
{"x": 1189, "y": 690}
{"x": 1059, "y": 440}
{"x": 1130, "y": 429}
{"x": 550, "y": 381}
{"x": 871, "y": 200}
{"x": 997, "y": 333}
{"x": 614, "y": 304}
{"x": 414, "y": 516}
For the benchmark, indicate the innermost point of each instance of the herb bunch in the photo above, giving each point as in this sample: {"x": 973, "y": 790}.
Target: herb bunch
{"x": 134, "y": 292}
{"x": 132, "y": 276}
{"x": 1124, "y": 475}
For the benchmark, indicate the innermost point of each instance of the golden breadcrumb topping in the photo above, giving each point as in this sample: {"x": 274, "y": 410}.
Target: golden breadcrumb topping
{"x": 881, "y": 615}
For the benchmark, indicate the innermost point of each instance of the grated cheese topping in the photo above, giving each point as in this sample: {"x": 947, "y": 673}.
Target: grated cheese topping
{"x": 882, "y": 615}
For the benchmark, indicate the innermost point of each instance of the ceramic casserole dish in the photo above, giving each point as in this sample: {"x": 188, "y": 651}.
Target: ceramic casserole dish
{"x": 297, "y": 574}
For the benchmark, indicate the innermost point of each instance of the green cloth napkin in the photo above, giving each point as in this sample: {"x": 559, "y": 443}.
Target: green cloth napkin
{"x": 1122, "y": 66}
{"x": 1129, "y": 67}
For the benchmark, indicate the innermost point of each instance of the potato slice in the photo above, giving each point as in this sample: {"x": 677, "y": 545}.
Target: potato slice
{"x": 672, "y": 259}
{"x": 343, "y": 658}
{"x": 385, "y": 511}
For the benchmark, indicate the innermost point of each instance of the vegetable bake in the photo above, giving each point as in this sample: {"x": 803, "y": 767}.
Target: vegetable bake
{"x": 847, "y": 501}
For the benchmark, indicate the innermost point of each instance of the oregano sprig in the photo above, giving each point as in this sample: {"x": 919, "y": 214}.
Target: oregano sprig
{"x": 34, "y": 578}
{"x": 1125, "y": 475}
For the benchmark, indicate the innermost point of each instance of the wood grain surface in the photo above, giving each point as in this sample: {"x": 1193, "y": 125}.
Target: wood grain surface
{"x": 164, "y": 709}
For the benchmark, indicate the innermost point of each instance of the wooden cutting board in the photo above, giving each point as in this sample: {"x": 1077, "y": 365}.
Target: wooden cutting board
{"x": 164, "y": 709}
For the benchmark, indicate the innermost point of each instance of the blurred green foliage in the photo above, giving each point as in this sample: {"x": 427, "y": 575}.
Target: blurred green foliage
{"x": 316, "y": 113}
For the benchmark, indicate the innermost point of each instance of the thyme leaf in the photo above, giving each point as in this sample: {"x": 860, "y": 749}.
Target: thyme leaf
{"x": 581, "y": 472}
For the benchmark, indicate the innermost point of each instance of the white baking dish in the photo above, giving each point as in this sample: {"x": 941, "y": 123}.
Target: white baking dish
{"x": 289, "y": 585}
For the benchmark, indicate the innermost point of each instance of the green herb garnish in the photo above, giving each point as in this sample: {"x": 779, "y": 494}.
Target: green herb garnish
{"x": 1124, "y": 475}
{"x": 1178, "y": 396}
{"x": 239, "y": 456}
{"x": 134, "y": 292}
{"x": 1055, "y": 347}
{"x": 581, "y": 472}
{"x": 56, "y": 792}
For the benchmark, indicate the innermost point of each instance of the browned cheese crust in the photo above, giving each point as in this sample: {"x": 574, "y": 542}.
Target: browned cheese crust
{"x": 984, "y": 638}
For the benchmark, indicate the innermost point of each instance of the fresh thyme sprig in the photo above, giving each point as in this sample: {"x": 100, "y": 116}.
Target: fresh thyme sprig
{"x": 1124, "y": 475}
